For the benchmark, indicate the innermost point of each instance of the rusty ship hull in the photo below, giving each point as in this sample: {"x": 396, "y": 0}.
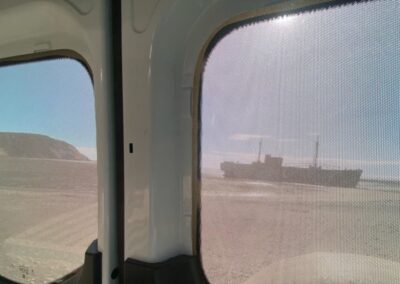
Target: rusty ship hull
{"x": 272, "y": 170}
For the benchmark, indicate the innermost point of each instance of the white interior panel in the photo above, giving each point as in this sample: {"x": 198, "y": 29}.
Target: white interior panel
{"x": 159, "y": 66}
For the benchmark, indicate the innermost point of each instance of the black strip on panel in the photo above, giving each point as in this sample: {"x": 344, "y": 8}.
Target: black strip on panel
{"x": 181, "y": 269}
{"x": 116, "y": 33}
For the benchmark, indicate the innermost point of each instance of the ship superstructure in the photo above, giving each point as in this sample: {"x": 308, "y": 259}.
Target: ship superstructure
{"x": 272, "y": 169}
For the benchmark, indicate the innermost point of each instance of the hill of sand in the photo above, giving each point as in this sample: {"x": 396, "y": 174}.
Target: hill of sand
{"x": 27, "y": 145}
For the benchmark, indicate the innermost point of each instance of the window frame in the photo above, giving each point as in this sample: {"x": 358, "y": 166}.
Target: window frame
{"x": 274, "y": 10}
{"x": 45, "y": 56}
{"x": 48, "y": 55}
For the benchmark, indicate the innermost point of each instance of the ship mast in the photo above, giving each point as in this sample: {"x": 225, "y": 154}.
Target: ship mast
{"x": 315, "y": 160}
{"x": 259, "y": 151}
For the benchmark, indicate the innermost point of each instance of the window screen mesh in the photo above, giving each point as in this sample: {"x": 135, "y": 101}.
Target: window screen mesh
{"x": 301, "y": 149}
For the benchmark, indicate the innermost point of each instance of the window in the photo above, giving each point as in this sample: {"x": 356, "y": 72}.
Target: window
{"x": 48, "y": 176}
{"x": 300, "y": 148}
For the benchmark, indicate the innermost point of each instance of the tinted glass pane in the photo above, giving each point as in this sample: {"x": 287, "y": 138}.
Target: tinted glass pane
{"x": 301, "y": 150}
{"x": 48, "y": 177}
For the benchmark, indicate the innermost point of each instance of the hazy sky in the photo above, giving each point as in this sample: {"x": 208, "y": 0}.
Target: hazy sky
{"x": 333, "y": 73}
{"x": 53, "y": 97}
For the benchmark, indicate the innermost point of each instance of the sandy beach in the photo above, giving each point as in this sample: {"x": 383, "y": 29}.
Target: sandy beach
{"x": 48, "y": 217}
{"x": 248, "y": 226}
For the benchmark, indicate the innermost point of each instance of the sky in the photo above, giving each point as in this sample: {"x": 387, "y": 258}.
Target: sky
{"x": 332, "y": 74}
{"x": 52, "y": 97}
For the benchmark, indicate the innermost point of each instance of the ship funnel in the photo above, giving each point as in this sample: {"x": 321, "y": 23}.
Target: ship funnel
{"x": 259, "y": 151}
{"x": 316, "y": 149}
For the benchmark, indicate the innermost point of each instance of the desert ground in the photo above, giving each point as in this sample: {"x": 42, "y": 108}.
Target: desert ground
{"x": 248, "y": 226}
{"x": 48, "y": 217}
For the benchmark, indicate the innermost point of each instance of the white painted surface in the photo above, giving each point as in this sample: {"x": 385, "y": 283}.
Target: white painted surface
{"x": 159, "y": 64}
